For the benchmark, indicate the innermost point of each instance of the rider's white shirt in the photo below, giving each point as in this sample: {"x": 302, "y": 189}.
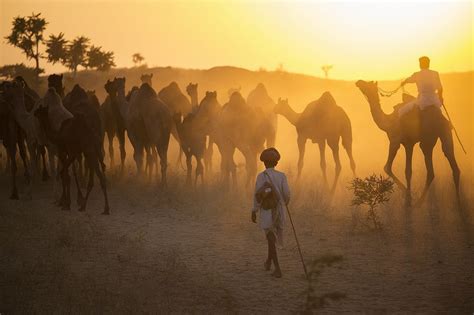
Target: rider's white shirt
{"x": 427, "y": 82}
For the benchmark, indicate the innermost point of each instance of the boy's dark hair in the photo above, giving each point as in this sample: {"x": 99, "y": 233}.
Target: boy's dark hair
{"x": 424, "y": 62}
{"x": 269, "y": 164}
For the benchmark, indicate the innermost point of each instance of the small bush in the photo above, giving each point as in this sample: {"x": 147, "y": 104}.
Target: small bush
{"x": 371, "y": 191}
{"x": 314, "y": 301}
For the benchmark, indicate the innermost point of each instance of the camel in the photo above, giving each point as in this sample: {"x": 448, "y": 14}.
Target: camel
{"x": 416, "y": 126}
{"x": 73, "y": 139}
{"x": 147, "y": 78}
{"x": 114, "y": 126}
{"x": 134, "y": 124}
{"x": 158, "y": 121}
{"x": 78, "y": 102}
{"x": 192, "y": 91}
{"x": 321, "y": 121}
{"x": 18, "y": 96}
{"x": 172, "y": 96}
{"x": 177, "y": 102}
{"x": 261, "y": 101}
{"x": 12, "y": 135}
{"x": 239, "y": 126}
{"x": 193, "y": 131}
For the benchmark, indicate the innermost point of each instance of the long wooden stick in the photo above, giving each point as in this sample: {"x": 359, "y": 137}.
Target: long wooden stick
{"x": 293, "y": 227}
{"x": 454, "y": 128}
{"x": 297, "y": 243}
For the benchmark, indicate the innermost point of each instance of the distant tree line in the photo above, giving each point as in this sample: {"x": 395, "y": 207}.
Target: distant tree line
{"x": 27, "y": 34}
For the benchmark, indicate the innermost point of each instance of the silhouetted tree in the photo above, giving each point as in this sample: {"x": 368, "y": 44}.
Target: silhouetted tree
{"x": 57, "y": 50}
{"x": 77, "y": 53}
{"x": 100, "y": 60}
{"x": 137, "y": 59}
{"x": 27, "y": 34}
{"x": 326, "y": 69}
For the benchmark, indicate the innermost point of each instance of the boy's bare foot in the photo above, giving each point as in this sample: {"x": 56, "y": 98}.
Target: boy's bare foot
{"x": 277, "y": 273}
{"x": 267, "y": 265}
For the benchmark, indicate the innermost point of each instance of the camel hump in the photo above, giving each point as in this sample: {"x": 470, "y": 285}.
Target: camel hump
{"x": 327, "y": 99}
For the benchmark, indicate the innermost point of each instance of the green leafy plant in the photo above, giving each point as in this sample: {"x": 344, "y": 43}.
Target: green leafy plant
{"x": 315, "y": 301}
{"x": 371, "y": 191}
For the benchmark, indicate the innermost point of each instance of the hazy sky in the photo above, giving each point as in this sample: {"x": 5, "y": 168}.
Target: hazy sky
{"x": 363, "y": 39}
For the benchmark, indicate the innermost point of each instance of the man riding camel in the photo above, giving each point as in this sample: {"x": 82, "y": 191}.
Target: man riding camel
{"x": 430, "y": 90}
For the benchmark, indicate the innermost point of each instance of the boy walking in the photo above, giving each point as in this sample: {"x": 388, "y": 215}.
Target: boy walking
{"x": 272, "y": 194}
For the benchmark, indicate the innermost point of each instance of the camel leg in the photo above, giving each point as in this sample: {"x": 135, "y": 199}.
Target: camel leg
{"x": 427, "y": 149}
{"x": 208, "y": 155}
{"x": 110, "y": 136}
{"x": 392, "y": 153}
{"x": 121, "y": 138}
{"x": 199, "y": 170}
{"x": 250, "y": 165}
{"x": 80, "y": 196}
{"x": 32, "y": 150}
{"x": 448, "y": 150}
{"x": 45, "y": 174}
{"x": 270, "y": 141}
{"x": 24, "y": 158}
{"x": 90, "y": 184}
{"x": 163, "y": 153}
{"x": 138, "y": 157}
{"x": 408, "y": 170}
{"x": 322, "y": 160}
{"x": 66, "y": 180}
{"x": 13, "y": 168}
{"x": 335, "y": 153}
{"x": 103, "y": 185}
{"x": 348, "y": 147}
{"x": 233, "y": 168}
{"x": 189, "y": 167}
{"x": 301, "y": 148}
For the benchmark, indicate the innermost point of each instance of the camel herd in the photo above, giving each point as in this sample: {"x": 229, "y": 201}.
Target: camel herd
{"x": 67, "y": 131}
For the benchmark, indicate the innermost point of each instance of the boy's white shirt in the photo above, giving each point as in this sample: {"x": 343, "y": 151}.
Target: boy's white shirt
{"x": 280, "y": 182}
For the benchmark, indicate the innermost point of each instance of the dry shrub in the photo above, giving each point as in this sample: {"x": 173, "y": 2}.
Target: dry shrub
{"x": 315, "y": 301}
{"x": 371, "y": 191}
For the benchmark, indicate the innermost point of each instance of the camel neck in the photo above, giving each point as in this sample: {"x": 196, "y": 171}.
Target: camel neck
{"x": 120, "y": 94}
{"x": 291, "y": 115}
{"x": 122, "y": 103}
{"x": 380, "y": 118}
{"x": 20, "y": 112}
{"x": 194, "y": 100}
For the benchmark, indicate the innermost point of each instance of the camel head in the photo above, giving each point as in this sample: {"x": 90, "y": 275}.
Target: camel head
{"x": 281, "y": 106}
{"x": 110, "y": 87}
{"x": 13, "y": 89}
{"x": 236, "y": 99}
{"x": 146, "y": 78}
{"x": 120, "y": 84}
{"x": 233, "y": 90}
{"x": 209, "y": 103}
{"x": 56, "y": 81}
{"x": 191, "y": 89}
{"x": 369, "y": 89}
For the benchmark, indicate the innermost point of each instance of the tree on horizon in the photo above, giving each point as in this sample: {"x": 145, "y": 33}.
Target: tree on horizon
{"x": 27, "y": 34}
{"x": 99, "y": 59}
{"x": 137, "y": 59}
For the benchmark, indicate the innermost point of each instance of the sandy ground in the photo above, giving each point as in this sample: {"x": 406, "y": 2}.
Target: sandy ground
{"x": 185, "y": 250}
